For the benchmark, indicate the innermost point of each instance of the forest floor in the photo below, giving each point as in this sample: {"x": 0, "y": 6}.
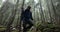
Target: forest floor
{"x": 43, "y": 27}
{"x": 2, "y": 28}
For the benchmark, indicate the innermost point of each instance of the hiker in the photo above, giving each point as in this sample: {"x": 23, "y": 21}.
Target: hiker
{"x": 27, "y": 17}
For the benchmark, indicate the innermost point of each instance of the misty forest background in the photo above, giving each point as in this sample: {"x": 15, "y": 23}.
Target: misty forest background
{"x": 46, "y": 15}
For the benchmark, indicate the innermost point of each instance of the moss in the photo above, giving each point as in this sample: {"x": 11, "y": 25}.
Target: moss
{"x": 2, "y": 28}
{"x": 48, "y": 27}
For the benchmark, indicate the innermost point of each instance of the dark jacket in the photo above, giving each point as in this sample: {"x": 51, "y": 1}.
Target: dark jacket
{"x": 27, "y": 14}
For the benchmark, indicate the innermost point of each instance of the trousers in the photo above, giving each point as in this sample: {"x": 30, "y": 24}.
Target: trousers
{"x": 25, "y": 22}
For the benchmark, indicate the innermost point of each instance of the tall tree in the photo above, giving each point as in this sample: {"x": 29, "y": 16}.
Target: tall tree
{"x": 22, "y": 10}
{"x": 12, "y": 17}
{"x": 42, "y": 14}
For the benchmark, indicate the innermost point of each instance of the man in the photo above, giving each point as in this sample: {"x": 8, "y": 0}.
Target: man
{"x": 27, "y": 17}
